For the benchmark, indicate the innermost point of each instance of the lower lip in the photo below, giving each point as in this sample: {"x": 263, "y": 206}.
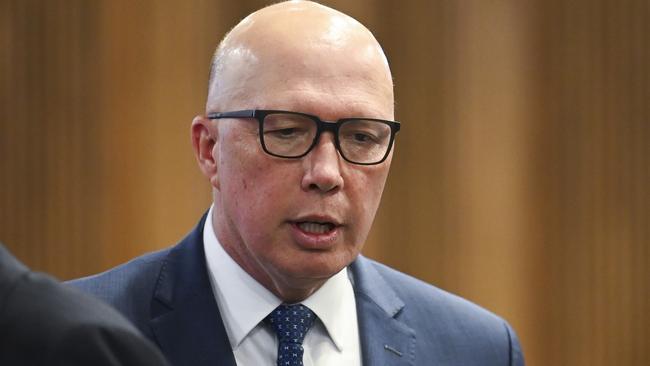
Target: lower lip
{"x": 313, "y": 240}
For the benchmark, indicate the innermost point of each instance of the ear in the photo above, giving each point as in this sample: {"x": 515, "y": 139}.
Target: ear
{"x": 204, "y": 141}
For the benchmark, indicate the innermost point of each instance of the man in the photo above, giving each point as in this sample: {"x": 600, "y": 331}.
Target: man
{"x": 273, "y": 273}
{"x": 43, "y": 322}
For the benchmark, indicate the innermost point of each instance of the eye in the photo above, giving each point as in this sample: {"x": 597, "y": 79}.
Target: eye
{"x": 362, "y": 137}
{"x": 284, "y": 126}
{"x": 286, "y": 133}
{"x": 364, "y": 133}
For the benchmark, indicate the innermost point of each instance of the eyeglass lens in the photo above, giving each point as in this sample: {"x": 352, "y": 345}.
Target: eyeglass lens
{"x": 291, "y": 135}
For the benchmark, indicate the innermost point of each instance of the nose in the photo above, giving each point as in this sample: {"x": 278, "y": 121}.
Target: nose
{"x": 323, "y": 166}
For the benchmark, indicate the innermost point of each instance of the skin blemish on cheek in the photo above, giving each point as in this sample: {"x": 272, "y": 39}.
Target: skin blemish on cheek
{"x": 244, "y": 184}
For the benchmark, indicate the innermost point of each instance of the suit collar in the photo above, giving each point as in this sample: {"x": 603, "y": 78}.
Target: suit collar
{"x": 385, "y": 339}
{"x": 185, "y": 318}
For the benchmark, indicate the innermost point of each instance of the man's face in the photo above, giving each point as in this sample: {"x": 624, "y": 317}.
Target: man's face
{"x": 293, "y": 223}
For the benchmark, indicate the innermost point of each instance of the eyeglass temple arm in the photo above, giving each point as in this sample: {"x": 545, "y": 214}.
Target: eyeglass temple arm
{"x": 247, "y": 113}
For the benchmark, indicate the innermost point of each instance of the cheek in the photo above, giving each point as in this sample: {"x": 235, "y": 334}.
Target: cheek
{"x": 371, "y": 183}
{"x": 365, "y": 194}
{"x": 253, "y": 186}
{"x": 239, "y": 164}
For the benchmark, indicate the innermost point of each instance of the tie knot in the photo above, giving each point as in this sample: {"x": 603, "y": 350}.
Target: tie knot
{"x": 291, "y": 322}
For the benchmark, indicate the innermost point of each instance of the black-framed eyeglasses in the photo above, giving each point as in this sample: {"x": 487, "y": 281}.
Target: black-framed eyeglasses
{"x": 285, "y": 134}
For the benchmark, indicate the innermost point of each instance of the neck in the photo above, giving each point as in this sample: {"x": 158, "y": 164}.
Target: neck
{"x": 293, "y": 294}
{"x": 288, "y": 290}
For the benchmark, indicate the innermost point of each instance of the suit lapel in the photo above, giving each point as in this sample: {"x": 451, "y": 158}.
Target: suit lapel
{"x": 185, "y": 318}
{"x": 385, "y": 340}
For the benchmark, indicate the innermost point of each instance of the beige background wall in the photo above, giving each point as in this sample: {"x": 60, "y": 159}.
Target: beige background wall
{"x": 520, "y": 179}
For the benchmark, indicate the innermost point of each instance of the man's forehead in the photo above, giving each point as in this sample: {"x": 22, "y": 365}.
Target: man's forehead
{"x": 329, "y": 98}
{"x": 297, "y": 45}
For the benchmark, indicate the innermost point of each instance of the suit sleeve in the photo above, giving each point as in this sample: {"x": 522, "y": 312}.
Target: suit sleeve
{"x": 104, "y": 346}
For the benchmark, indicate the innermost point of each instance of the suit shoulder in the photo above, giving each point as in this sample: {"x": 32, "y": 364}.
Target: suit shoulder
{"x": 135, "y": 270}
{"x": 67, "y": 327}
{"x": 447, "y": 326}
{"x": 127, "y": 287}
{"x": 33, "y": 326}
{"x": 416, "y": 292}
{"x": 442, "y": 318}
{"x": 68, "y": 306}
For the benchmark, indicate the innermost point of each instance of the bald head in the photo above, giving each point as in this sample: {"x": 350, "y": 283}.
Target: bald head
{"x": 296, "y": 44}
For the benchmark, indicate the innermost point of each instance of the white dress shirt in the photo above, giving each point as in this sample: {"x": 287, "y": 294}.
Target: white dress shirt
{"x": 244, "y": 303}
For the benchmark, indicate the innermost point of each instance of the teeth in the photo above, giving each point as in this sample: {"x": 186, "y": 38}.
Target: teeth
{"x": 314, "y": 227}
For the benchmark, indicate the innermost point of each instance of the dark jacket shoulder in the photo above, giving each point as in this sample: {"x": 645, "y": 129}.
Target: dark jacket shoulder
{"x": 44, "y": 322}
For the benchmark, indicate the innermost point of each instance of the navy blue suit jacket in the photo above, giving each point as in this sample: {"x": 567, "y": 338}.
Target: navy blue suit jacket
{"x": 402, "y": 320}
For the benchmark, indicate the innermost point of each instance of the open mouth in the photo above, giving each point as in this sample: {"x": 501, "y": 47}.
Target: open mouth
{"x": 311, "y": 227}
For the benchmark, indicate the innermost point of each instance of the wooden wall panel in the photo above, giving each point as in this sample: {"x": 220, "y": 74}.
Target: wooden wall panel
{"x": 48, "y": 151}
{"x": 592, "y": 138}
{"x": 519, "y": 181}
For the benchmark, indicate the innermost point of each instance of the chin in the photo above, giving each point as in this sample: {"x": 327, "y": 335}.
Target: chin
{"x": 321, "y": 267}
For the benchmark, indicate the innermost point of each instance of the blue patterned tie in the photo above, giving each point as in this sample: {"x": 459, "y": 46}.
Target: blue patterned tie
{"x": 291, "y": 323}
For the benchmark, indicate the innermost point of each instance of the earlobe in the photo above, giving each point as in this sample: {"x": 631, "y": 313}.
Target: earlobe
{"x": 204, "y": 141}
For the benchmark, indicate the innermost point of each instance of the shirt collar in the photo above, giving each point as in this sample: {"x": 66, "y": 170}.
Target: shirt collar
{"x": 244, "y": 303}
{"x": 331, "y": 304}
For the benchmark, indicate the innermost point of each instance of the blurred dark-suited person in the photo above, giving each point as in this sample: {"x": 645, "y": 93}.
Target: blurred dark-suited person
{"x": 296, "y": 142}
{"x": 43, "y": 322}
